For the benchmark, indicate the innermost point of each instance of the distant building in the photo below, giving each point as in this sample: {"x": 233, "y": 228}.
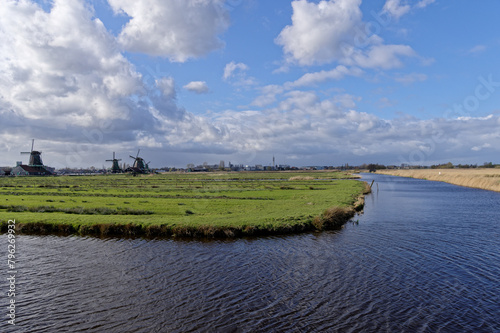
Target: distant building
{"x": 283, "y": 167}
{"x": 30, "y": 170}
{"x": 2, "y": 173}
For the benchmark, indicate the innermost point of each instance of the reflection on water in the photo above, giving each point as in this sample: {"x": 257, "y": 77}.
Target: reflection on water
{"x": 425, "y": 257}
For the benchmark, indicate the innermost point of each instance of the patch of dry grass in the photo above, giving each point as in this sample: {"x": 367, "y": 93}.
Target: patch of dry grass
{"x": 486, "y": 179}
{"x": 301, "y": 178}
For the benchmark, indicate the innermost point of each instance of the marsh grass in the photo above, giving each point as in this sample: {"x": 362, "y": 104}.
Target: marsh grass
{"x": 486, "y": 179}
{"x": 181, "y": 205}
{"x": 333, "y": 217}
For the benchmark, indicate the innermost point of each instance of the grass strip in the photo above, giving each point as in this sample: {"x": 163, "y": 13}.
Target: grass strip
{"x": 181, "y": 205}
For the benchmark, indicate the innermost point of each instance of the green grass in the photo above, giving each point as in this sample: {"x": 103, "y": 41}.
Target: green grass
{"x": 209, "y": 204}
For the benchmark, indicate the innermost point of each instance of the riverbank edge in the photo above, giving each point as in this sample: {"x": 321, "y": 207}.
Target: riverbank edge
{"x": 331, "y": 219}
{"x": 463, "y": 181}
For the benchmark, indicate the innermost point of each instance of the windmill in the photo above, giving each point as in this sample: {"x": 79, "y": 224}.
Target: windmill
{"x": 139, "y": 165}
{"x": 35, "y": 156}
{"x": 116, "y": 167}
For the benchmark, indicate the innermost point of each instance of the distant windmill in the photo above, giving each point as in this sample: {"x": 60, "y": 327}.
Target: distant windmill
{"x": 139, "y": 165}
{"x": 35, "y": 156}
{"x": 116, "y": 167}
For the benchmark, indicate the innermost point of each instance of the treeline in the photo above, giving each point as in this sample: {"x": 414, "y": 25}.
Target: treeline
{"x": 374, "y": 167}
{"x": 450, "y": 165}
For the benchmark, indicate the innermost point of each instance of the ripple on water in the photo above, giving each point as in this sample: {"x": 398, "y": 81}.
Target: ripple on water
{"x": 425, "y": 257}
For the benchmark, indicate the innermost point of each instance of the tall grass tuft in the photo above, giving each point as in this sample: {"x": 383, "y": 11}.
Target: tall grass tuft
{"x": 333, "y": 218}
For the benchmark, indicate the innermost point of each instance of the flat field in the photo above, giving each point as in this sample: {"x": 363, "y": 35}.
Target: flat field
{"x": 208, "y": 204}
{"x": 486, "y": 179}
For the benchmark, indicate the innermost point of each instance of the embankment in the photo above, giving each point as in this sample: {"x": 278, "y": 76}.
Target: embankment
{"x": 486, "y": 179}
{"x": 331, "y": 219}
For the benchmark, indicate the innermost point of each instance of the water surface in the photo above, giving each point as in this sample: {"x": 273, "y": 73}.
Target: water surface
{"x": 425, "y": 257}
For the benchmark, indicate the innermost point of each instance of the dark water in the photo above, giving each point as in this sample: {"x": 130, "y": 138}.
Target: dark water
{"x": 425, "y": 257}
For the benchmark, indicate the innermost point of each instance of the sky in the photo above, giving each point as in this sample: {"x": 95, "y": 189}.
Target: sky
{"x": 194, "y": 81}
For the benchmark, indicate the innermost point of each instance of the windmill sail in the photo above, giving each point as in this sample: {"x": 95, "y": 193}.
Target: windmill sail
{"x": 139, "y": 164}
{"x": 35, "y": 156}
{"x": 116, "y": 167}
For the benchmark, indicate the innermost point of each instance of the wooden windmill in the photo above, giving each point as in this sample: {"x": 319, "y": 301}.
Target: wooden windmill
{"x": 116, "y": 167}
{"x": 35, "y": 156}
{"x": 139, "y": 164}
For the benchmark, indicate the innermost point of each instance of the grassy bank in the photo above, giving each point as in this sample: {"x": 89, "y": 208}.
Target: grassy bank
{"x": 486, "y": 179}
{"x": 192, "y": 205}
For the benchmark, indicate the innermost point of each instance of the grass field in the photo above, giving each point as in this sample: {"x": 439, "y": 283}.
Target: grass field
{"x": 208, "y": 204}
{"x": 486, "y": 179}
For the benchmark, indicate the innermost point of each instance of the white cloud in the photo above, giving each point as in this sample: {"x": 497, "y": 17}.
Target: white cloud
{"x": 333, "y": 31}
{"x": 380, "y": 56}
{"x": 175, "y": 29}
{"x": 269, "y": 93}
{"x": 62, "y": 64}
{"x": 424, "y": 3}
{"x": 167, "y": 86}
{"x": 411, "y": 78}
{"x": 304, "y": 125}
{"x": 477, "y": 49}
{"x": 232, "y": 67}
{"x": 385, "y": 102}
{"x": 479, "y": 148}
{"x": 314, "y": 78}
{"x": 63, "y": 79}
{"x": 396, "y": 9}
{"x": 236, "y": 74}
{"x": 318, "y": 30}
{"x": 199, "y": 87}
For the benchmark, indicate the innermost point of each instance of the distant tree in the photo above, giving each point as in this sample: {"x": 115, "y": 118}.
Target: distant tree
{"x": 488, "y": 165}
{"x": 372, "y": 168}
{"x": 448, "y": 165}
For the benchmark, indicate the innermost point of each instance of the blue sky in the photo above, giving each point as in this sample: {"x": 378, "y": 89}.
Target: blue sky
{"x": 193, "y": 81}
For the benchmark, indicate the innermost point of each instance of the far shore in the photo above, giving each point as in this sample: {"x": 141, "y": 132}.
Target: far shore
{"x": 485, "y": 179}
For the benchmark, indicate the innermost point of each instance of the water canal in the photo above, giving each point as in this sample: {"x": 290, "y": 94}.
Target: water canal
{"x": 425, "y": 257}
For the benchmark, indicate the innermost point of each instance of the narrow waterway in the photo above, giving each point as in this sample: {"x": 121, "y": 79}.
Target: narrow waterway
{"x": 424, "y": 257}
